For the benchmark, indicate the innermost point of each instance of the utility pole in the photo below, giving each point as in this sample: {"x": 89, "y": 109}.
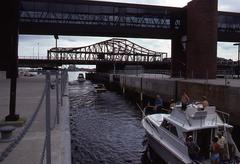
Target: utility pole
{"x": 238, "y": 69}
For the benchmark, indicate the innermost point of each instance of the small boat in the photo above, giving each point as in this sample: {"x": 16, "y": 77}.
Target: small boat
{"x": 80, "y": 77}
{"x": 100, "y": 88}
{"x": 168, "y": 133}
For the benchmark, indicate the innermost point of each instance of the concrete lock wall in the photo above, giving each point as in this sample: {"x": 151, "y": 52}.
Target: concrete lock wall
{"x": 165, "y": 88}
{"x": 223, "y": 97}
{"x": 2, "y": 75}
{"x": 150, "y": 87}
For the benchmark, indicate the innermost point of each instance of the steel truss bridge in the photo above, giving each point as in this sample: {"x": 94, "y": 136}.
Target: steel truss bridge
{"x": 110, "y": 51}
{"x": 96, "y": 18}
{"x": 119, "y": 51}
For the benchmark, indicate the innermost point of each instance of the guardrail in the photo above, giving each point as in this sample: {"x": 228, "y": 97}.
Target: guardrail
{"x": 45, "y": 94}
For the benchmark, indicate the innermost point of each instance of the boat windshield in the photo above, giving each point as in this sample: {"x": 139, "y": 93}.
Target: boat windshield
{"x": 80, "y": 76}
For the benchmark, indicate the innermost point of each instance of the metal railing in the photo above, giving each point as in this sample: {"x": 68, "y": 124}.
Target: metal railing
{"x": 47, "y": 95}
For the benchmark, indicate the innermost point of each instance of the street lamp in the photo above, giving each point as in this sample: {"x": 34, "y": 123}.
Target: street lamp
{"x": 56, "y": 38}
{"x": 38, "y": 50}
{"x": 238, "y": 44}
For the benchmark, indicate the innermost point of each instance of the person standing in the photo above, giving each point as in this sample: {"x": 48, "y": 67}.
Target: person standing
{"x": 193, "y": 148}
{"x": 221, "y": 141}
{"x": 215, "y": 150}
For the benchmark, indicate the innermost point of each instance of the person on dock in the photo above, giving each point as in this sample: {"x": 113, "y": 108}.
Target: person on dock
{"x": 184, "y": 100}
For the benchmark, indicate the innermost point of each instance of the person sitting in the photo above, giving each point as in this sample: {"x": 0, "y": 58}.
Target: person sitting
{"x": 149, "y": 108}
{"x": 172, "y": 104}
{"x": 204, "y": 102}
{"x": 158, "y": 103}
{"x": 184, "y": 100}
{"x": 215, "y": 149}
{"x": 193, "y": 148}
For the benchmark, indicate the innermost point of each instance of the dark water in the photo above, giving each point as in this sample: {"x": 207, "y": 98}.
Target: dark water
{"x": 105, "y": 128}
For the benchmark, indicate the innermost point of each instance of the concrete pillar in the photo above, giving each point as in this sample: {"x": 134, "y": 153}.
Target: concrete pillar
{"x": 201, "y": 56}
{"x": 10, "y": 37}
{"x": 178, "y": 65}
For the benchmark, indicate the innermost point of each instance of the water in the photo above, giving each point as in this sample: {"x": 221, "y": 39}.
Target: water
{"x": 106, "y": 128}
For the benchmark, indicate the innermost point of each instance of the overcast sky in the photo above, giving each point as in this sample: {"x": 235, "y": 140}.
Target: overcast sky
{"x": 29, "y": 45}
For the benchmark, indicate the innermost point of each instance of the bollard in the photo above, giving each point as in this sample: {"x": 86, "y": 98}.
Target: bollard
{"x": 123, "y": 90}
{"x": 48, "y": 116}
{"x": 57, "y": 94}
{"x": 141, "y": 96}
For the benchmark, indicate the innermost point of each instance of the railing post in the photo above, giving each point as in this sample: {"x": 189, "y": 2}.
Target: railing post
{"x": 48, "y": 122}
{"x": 57, "y": 94}
{"x": 61, "y": 87}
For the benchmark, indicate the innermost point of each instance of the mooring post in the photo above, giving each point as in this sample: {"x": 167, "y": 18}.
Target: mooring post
{"x": 61, "y": 87}
{"x": 12, "y": 106}
{"x": 57, "y": 94}
{"x": 48, "y": 122}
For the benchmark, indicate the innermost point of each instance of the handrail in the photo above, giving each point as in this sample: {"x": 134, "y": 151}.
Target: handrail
{"x": 224, "y": 114}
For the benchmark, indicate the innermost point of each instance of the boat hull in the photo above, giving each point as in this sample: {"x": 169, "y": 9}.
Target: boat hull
{"x": 99, "y": 90}
{"x": 81, "y": 80}
{"x": 162, "y": 151}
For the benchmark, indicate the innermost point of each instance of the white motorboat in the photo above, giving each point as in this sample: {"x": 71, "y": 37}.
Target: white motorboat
{"x": 167, "y": 133}
{"x": 100, "y": 88}
{"x": 80, "y": 77}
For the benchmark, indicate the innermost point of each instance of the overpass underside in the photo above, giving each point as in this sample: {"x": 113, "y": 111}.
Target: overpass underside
{"x": 194, "y": 29}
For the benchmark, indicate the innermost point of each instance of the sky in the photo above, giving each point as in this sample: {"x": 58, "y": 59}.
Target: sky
{"x": 30, "y": 45}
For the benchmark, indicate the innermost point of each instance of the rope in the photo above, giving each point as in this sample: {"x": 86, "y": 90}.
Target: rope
{"x": 43, "y": 151}
{"x": 21, "y": 134}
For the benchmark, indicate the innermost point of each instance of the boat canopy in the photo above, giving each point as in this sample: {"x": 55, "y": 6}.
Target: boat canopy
{"x": 194, "y": 118}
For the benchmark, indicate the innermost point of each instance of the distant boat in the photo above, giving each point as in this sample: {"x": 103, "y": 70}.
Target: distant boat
{"x": 167, "y": 133}
{"x": 80, "y": 77}
{"x": 100, "y": 88}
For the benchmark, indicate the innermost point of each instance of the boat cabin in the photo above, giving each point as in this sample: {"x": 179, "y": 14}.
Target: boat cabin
{"x": 202, "y": 124}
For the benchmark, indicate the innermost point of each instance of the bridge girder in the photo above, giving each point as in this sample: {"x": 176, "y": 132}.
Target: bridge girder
{"x": 112, "y": 50}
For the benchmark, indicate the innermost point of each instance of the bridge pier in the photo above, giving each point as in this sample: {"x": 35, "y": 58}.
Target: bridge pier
{"x": 178, "y": 65}
{"x": 201, "y": 56}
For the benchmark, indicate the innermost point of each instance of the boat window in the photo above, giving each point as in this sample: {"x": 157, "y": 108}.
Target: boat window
{"x": 170, "y": 127}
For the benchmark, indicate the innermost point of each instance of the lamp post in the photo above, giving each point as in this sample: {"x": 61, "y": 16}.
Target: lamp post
{"x": 38, "y": 50}
{"x": 33, "y": 52}
{"x": 56, "y": 38}
{"x": 238, "y": 44}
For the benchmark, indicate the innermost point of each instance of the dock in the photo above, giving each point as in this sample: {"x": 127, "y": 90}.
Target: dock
{"x": 30, "y": 147}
